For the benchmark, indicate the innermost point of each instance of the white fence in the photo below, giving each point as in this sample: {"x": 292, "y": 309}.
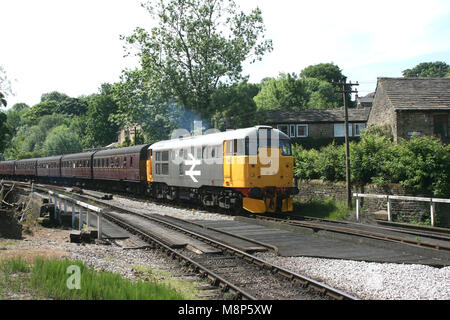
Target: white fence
{"x": 388, "y": 198}
{"x": 61, "y": 205}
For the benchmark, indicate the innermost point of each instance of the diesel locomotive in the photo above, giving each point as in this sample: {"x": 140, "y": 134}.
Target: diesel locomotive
{"x": 250, "y": 169}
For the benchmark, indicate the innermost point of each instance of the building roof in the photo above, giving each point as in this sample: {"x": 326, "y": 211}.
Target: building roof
{"x": 317, "y": 115}
{"x": 417, "y": 93}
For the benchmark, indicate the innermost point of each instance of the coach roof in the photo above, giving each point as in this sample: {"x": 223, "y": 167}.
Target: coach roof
{"x": 120, "y": 151}
{"x": 75, "y": 156}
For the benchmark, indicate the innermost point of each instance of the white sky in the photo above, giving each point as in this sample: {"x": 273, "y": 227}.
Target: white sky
{"x": 73, "y": 46}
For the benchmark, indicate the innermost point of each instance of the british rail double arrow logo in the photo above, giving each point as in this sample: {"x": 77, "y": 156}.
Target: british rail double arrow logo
{"x": 191, "y": 171}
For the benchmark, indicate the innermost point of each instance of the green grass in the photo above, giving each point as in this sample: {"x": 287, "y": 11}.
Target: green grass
{"x": 325, "y": 209}
{"x": 48, "y": 279}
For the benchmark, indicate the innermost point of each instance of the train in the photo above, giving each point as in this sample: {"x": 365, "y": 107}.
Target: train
{"x": 247, "y": 169}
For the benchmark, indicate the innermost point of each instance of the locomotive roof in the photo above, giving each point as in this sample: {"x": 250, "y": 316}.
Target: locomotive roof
{"x": 81, "y": 155}
{"x": 211, "y": 139}
{"x": 118, "y": 151}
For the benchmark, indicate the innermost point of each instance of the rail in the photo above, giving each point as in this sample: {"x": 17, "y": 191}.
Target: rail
{"x": 60, "y": 202}
{"x": 388, "y": 198}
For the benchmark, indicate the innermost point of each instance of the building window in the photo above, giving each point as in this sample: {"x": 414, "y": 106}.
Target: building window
{"x": 302, "y": 130}
{"x": 440, "y": 126}
{"x": 339, "y": 130}
{"x": 283, "y": 128}
{"x": 292, "y": 131}
{"x": 358, "y": 128}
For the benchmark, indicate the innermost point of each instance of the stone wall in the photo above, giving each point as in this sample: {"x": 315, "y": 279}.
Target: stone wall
{"x": 401, "y": 210}
{"x": 382, "y": 113}
{"x": 416, "y": 121}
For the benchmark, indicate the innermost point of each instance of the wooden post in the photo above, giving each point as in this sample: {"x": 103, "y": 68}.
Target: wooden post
{"x": 347, "y": 145}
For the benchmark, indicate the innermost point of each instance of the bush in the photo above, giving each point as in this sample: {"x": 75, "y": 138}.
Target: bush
{"x": 305, "y": 163}
{"x": 367, "y": 158}
{"x": 421, "y": 164}
{"x": 331, "y": 163}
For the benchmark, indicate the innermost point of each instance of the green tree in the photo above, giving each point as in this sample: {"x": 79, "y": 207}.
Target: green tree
{"x": 4, "y": 132}
{"x": 33, "y": 114}
{"x": 285, "y": 92}
{"x": 141, "y": 103}
{"x": 5, "y": 87}
{"x": 72, "y": 106}
{"x": 320, "y": 94}
{"x": 332, "y": 74}
{"x": 3, "y": 102}
{"x": 100, "y": 131}
{"x": 323, "y": 71}
{"x": 54, "y": 96}
{"x": 61, "y": 140}
{"x": 196, "y": 45}
{"x": 235, "y": 107}
{"x": 436, "y": 69}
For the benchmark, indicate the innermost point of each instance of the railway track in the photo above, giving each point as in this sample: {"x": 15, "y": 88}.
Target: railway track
{"x": 243, "y": 274}
{"x": 394, "y": 232}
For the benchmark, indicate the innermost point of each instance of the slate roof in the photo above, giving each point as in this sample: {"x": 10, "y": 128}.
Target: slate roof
{"x": 317, "y": 115}
{"x": 417, "y": 93}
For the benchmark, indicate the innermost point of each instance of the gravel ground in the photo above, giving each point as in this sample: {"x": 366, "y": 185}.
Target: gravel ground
{"x": 365, "y": 280}
{"x": 190, "y": 214}
{"x": 132, "y": 264}
{"x": 373, "y": 281}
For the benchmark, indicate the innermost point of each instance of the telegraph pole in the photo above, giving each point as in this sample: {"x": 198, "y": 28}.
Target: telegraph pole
{"x": 347, "y": 88}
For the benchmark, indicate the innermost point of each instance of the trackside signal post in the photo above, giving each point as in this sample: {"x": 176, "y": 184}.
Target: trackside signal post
{"x": 347, "y": 88}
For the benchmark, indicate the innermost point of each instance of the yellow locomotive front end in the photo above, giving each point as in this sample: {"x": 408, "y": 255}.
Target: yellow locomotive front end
{"x": 261, "y": 168}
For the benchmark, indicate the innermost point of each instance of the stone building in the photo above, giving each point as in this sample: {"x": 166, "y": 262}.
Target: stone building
{"x": 364, "y": 102}
{"x": 412, "y": 106}
{"x": 318, "y": 123}
{"x": 129, "y": 132}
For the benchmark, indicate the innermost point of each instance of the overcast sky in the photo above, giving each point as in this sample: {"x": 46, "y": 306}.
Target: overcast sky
{"x": 73, "y": 46}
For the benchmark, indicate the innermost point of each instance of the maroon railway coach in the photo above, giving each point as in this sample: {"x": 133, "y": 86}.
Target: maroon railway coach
{"x": 49, "y": 167}
{"x": 77, "y": 165}
{"x": 7, "y": 168}
{"x": 26, "y": 168}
